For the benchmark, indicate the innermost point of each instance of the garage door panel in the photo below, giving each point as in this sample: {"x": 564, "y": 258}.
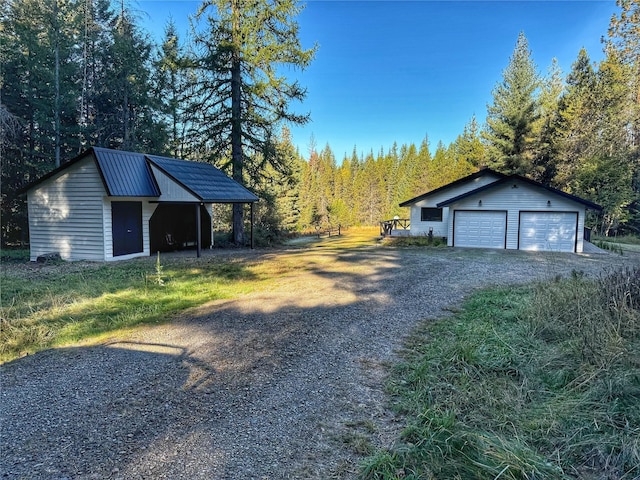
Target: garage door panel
{"x": 486, "y": 229}
{"x": 548, "y": 231}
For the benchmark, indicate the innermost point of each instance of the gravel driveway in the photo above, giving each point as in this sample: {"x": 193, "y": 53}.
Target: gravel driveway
{"x": 284, "y": 383}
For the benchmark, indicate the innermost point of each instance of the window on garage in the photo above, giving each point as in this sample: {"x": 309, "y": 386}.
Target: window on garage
{"x": 431, "y": 214}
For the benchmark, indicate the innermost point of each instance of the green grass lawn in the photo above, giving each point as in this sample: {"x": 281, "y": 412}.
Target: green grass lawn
{"x": 536, "y": 382}
{"x": 618, "y": 244}
{"x": 64, "y": 303}
{"x": 625, "y": 239}
{"x": 540, "y": 381}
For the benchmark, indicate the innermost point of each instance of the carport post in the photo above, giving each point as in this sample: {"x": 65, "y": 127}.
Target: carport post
{"x": 198, "y": 231}
{"x": 213, "y": 235}
{"x": 252, "y": 226}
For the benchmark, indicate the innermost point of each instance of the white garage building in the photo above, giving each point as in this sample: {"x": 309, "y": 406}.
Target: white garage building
{"x": 491, "y": 210}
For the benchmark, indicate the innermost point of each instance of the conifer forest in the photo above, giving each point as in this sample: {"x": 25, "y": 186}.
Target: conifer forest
{"x": 82, "y": 73}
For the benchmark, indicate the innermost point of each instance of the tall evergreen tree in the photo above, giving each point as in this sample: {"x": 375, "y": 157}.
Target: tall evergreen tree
{"x": 547, "y": 127}
{"x": 173, "y": 82}
{"x": 126, "y": 112}
{"x": 37, "y": 91}
{"x": 511, "y": 117}
{"x": 624, "y": 38}
{"x": 468, "y": 146}
{"x": 606, "y": 176}
{"x": 577, "y": 120}
{"x": 278, "y": 211}
{"x": 242, "y": 94}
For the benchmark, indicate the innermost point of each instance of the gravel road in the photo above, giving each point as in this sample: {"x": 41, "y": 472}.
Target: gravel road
{"x": 282, "y": 383}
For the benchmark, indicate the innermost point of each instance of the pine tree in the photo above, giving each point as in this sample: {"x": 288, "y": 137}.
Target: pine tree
{"x": 242, "y": 94}
{"x": 172, "y": 87}
{"x": 511, "y": 117}
{"x": 125, "y": 110}
{"x": 468, "y": 146}
{"x": 606, "y": 177}
{"x": 577, "y": 121}
{"x": 624, "y": 38}
{"x": 37, "y": 93}
{"x": 547, "y": 128}
{"x": 278, "y": 211}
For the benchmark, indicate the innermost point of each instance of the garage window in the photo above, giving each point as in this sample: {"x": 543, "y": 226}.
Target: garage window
{"x": 431, "y": 214}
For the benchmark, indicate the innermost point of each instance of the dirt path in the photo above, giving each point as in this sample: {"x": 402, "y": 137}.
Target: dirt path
{"x": 282, "y": 383}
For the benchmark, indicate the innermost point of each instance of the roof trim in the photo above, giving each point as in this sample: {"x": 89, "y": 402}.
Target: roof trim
{"x": 506, "y": 179}
{"x": 480, "y": 173}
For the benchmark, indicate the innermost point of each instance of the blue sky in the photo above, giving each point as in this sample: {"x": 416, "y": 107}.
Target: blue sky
{"x": 395, "y": 71}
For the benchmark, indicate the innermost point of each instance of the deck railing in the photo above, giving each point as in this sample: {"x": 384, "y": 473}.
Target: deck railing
{"x": 387, "y": 226}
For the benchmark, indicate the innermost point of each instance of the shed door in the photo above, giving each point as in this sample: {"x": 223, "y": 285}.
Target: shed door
{"x": 486, "y": 229}
{"x": 548, "y": 231}
{"x": 126, "y": 227}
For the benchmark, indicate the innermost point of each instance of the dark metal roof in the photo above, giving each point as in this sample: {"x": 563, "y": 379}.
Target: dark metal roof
{"x": 126, "y": 174}
{"x": 468, "y": 178}
{"x": 510, "y": 178}
{"x": 204, "y": 180}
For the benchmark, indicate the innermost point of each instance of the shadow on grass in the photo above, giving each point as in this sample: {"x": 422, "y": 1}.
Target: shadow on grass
{"x": 60, "y": 304}
{"x": 234, "y": 375}
{"x": 242, "y": 388}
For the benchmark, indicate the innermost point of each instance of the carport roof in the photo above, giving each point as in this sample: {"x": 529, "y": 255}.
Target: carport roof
{"x": 129, "y": 174}
{"x": 203, "y": 180}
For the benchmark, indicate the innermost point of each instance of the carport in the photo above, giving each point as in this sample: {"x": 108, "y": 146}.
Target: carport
{"x": 107, "y": 205}
{"x": 184, "y": 216}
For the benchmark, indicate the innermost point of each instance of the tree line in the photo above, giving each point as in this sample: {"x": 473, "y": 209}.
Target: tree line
{"x": 81, "y": 73}
{"x": 578, "y": 132}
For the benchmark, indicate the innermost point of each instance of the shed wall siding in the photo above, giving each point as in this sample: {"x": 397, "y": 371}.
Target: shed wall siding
{"x": 170, "y": 190}
{"x": 65, "y": 214}
{"x": 419, "y": 228}
{"x": 514, "y": 200}
{"x": 147, "y": 211}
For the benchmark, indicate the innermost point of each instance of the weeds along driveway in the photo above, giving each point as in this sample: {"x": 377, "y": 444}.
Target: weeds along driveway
{"x": 282, "y": 383}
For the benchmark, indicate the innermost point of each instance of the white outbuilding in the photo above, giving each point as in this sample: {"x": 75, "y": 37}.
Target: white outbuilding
{"x": 490, "y": 210}
{"x": 112, "y": 205}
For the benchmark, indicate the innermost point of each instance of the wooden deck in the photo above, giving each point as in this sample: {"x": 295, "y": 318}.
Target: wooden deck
{"x": 399, "y": 224}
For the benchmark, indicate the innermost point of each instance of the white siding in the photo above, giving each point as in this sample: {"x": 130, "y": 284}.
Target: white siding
{"x": 170, "y": 190}
{"x": 418, "y": 227}
{"x": 523, "y": 197}
{"x": 147, "y": 210}
{"x": 65, "y": 214}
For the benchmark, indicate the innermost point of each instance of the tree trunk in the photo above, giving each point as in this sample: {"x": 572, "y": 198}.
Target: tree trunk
{"x": 57, "y": 83}
{"x": 237, "y": 160}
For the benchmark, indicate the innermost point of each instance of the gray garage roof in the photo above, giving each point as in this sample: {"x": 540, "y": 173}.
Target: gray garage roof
{"x": 129, "y": 174}
{"x": 510, "y": 178}
{"x": 480, "y": 173}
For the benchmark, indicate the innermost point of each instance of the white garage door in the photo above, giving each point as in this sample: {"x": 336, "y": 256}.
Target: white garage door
{"x": 485, "y": 229}
{"x": 548, "y": 231}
